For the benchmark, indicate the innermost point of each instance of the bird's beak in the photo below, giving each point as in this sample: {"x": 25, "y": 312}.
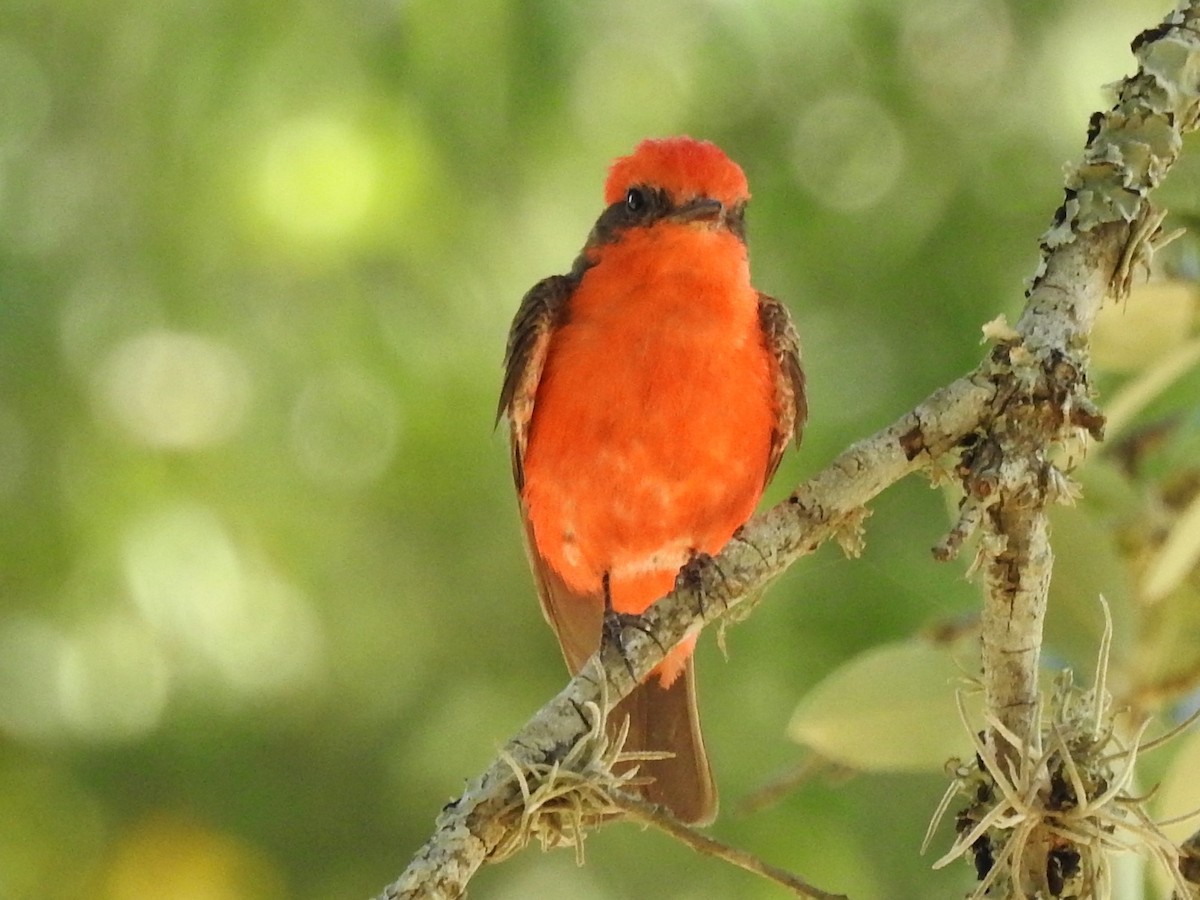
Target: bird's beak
{"x": 700, "y": 208}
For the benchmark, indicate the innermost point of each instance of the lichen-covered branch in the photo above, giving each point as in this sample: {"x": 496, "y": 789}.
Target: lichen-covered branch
{"x": 1044, "y": 844}
{"x": 1043, "y": 402}
{"x": 1104, "y": 230}
{"x": 996, "y": 428}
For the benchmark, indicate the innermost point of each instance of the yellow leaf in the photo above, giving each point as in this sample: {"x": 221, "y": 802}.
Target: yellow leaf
{"x": 1156, "y": 318}
{"x": 1177, "y": 557}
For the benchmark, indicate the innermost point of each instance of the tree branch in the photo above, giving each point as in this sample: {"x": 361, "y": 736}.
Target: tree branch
{"x": 1030, "y": 394}
{"x": 831, "y": 504}
{"x": 1104, "y": 230}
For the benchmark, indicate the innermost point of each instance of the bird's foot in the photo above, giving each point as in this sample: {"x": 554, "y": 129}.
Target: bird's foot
{"x": 614, "y": 625}
{"x": 691, "y": 575}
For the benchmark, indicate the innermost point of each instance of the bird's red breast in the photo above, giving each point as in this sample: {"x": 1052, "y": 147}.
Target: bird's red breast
{"x": 652, "y": 428}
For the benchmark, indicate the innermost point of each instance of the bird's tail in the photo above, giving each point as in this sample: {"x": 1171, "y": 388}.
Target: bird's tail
{"x": 667, "y": 720}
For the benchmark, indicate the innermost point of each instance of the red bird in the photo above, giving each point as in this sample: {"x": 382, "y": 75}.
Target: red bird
{"x": 650, "y": 394}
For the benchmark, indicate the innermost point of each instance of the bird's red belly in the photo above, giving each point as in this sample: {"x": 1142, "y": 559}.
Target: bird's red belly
{"x": 646, "y": 446}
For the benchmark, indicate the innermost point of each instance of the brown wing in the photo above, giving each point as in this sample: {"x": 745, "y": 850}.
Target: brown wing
{"x": 574, "y": 618}
{"x": 541, "y": 309}
{"x": 790, "y": 399}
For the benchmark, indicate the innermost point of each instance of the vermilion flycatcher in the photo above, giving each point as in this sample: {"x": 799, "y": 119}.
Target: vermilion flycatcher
{"x": 650, "y": 393}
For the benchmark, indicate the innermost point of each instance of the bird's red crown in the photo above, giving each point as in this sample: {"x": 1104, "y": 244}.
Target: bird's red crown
{"x": 684, "y": 167}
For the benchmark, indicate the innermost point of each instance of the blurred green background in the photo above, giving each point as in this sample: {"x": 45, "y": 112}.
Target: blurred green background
{"x": 263, "y": 603}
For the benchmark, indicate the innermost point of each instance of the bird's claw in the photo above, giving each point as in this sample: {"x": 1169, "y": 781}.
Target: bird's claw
{"x": 612, "y": 628}
{"x": 612, "y": 633}
{"x": 691, "y": 575}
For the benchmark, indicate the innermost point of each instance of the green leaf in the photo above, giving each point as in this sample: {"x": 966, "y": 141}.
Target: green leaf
{"x": 891, "y": 709}
{"x": 1180, "y": 792}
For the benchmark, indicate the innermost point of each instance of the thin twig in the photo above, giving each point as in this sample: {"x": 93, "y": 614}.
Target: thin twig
{"x": 788, "y": 782}
{"x": 650, "y": 814}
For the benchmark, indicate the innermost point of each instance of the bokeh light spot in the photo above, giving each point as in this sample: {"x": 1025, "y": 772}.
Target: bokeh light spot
{"x": 274, "y": 643}
{"x": 174, "y": 390}
{"x": 848, "y": 152}
{"x": 317, "y": 180}
{"x": 345, "y": 425}
{"x": 113, "y": 680}
{"x": 637, "y": 78}
{"x": 167, "y": 857}
{"x": 959, "y": 51}
{"x": 247, "y": 625}
{"x": 183, "y": 572}
{"x": 106, "y": 681}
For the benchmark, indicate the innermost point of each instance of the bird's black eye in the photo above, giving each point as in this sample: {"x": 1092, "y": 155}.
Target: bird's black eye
{"x": 635, "y": 200}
